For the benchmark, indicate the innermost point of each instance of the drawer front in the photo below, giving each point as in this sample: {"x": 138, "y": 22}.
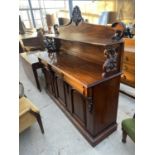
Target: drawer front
{"x": 128, "y": 78}
{"x": 129, "y": 68}
{"x": 129, "y": 57}
{"x": 76, "y": 85}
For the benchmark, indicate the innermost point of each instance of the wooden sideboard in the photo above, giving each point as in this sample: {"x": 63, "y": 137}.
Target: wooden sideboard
{"x": 82, "y": 75}
{"x": 128, "y": 76}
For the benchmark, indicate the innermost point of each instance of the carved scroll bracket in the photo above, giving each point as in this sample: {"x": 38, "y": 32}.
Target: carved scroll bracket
{"x": 76, "y": 15}
{"x": 111, "y": 62}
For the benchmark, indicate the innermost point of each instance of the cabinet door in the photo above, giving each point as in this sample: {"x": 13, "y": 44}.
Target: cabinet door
{"x": 60, "y": 89}
{"x": 79, "y": 107}
{"x": 68, "y": 96}
{"x": 49, "y": 78}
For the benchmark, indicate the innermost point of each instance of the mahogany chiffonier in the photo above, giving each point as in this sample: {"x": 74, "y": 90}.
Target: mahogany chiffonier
{"x": 82, "y": 71}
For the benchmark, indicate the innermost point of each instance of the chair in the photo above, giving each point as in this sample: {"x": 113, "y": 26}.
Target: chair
{"x": 28, "y": 112}
{"x": 128, "y": 128}
{"x": 34, "y": 43}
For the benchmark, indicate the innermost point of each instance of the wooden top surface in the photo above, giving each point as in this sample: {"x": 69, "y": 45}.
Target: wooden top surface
{"x": 86, "y": 33}
{"x": 82, "y": 71}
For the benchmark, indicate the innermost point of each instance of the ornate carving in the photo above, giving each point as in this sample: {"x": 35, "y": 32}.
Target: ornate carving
{"x": 56, "y": 28}
{"x": 51, "y": 45}
{"x": 110, "y": 64}
{"x": 90, "y": 103}
{"x": 76, "y": 15}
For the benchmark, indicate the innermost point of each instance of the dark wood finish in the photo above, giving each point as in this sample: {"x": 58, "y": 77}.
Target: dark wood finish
{"x": 38, "y": 117}
{"x": 60, "y": 89}
{"x": 84, "y": 73}
{"x": 124, "y": 136}
{"x": 79, "y": 107}
{"x": 128, "y": 76}
{"x": 68, "y": 96}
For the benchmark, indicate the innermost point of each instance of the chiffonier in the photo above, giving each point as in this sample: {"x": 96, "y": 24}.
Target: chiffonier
{"x": 82, "y": 71}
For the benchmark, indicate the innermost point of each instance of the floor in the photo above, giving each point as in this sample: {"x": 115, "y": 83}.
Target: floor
{"x": 61, "y": 137}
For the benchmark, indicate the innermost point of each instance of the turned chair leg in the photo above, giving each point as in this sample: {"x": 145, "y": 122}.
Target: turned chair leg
{"x": 124, "y": 135}
{"x": 38, "y": 117}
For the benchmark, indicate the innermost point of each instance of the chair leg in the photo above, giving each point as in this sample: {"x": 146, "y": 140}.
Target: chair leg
{"x": 40, "y": 123}
{"x": 124, "y": 135}
{"x": 38, "y": 117}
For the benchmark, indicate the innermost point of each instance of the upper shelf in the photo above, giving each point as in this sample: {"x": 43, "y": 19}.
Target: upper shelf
{"x": 84, "y": 72}
{"x": 86, "y": 33}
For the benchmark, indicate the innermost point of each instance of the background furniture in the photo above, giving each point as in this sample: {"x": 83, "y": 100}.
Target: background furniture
{"x": 83, "y": 74}
{"x": 28, "y": 112}
{"x": 31, "y": 66}
{"x": 128, "y": 76}
{"x": 31, "y": 41}
{"x": 128, "y": 128}
{"x": 108, "y": 17}
{"x": 63, "y": 21}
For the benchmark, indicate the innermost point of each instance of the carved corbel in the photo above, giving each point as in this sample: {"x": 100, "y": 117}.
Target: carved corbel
{"x": 76, "y": 16}
{"x": 111, "y": 60}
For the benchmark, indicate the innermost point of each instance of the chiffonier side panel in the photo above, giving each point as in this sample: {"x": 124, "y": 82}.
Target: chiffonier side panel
{"x": 105, "y": 100}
